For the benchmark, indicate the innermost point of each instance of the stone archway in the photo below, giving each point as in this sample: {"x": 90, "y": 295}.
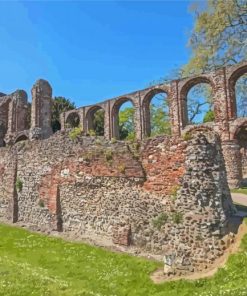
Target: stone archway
{"x": 115, "y": 116}
{"x": 95, "y": 121}
{"x": 72, "y": 120}
{"x": 186, "y": 88}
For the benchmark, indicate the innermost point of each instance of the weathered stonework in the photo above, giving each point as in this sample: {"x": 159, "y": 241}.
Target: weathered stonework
{"x": 94, "y": 188}
{"x": 41, "y": 110}
{"x": 166, "y": 196}
{"x": 226, "y": 124}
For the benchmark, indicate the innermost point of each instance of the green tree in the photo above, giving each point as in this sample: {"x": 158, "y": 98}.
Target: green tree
{"x": 126, "y": 124}
{"x": 98, "y": 122}
{"x": 199, "y": 102}
{"x": 160, "y": 121}
{"x": 209, "y": 116}
{"x": 219, "y": 38}
{"x": 60, "y": 104}
{"x": 219, "y": 35}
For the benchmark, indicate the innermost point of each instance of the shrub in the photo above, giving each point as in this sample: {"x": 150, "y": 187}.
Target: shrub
{"x": 113, "y": 140}
{"x": 160, "y": 220}
{"x": 174, "y": 192}
{"x": 177, "y": 217}
{"x": 108, "y": 155}
{"x": 187, "y": 136}
{"x": 209, "y": 116}
{"x": 122, "y": 168}
{"x": 98, "y": 141}
{"x": 87, "y": 156}
{"x": 75, "y": 133}
{"x": 18, "y": 185}
{"x": 92, "y": 133}
{"x": 41, "y": 203}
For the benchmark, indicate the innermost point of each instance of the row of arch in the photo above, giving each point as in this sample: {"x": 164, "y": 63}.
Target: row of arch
{"x": 156, "y": 98}
{"x": 143, "y": 111}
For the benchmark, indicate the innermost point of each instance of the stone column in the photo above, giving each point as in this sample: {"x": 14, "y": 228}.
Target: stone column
{"x": 41, "y": 110}
{"x": 221, "y": 103}
{"x": 138, "y": 117}
{"x": 175, "y": 110}
{"x": 17, "y": 115}
{"x": 62, "y": 121}
{"x": 107, "y": 121}
{"x": 18, "y": 112}
{"x": 232, "y": 156}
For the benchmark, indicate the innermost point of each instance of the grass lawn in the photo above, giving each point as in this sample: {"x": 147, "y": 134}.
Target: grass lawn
{"x": 240, "y": 190}
{"x": 33, "y": 264}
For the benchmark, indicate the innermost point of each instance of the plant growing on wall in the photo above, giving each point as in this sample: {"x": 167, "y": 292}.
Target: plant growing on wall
{"x": 18, "y": 185}
{"x": 174, "y": 192}
{"x": 75, "y": 133}
{"x": 177, "y": 217}
{"x": 160, "y": 220}
{"x": 41, "y": 203}
{"x": 108, "y": 155}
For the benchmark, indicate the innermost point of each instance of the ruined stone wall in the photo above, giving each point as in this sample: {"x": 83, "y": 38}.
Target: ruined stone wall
{"x": 163, "y": 160}
{"x": 153, "y": 197}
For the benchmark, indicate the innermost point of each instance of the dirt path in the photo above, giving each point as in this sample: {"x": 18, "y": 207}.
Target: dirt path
{"x": 240, "y": 198}
{"x": 158, "y": 276}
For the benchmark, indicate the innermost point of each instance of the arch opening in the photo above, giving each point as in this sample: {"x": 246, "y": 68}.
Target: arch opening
{"x": 241, "y": 96}
{"x": 73, "y": 120}
{"x": 96, "y": 121}
{"x": 156, "y": 119}
{"x": 241, "y": 137}
{"x": 199, "y": 106}
{"x": 124, "y": 119}
{"x": 2, "y": 133}
{"x": 21, "y": 138}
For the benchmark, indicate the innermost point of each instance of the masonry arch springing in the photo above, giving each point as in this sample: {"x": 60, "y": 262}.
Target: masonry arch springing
{"x": 72, "y": 120}
{"x": 238, "y": 92}
{"x": 95, "y": 120}
{"x": 197, "y": 98}
{"x": 124, "y": 127}
{"x": 156, "y": 119}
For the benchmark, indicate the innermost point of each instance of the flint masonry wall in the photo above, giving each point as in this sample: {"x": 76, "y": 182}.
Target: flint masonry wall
{"x": 95, "y": 188}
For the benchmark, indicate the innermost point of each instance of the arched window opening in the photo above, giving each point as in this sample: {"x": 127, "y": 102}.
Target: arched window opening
{"x": 241, "y": 136}
{"x": 241, "y": 96}
{"x": 156, "y": 114}
{"x": 21, "y": 138}
{"x": 73, "y": 120}
{"x": 96, "y": 121}
{"x": 200, "y": 104}
{"x": 2, "y": 133}
{"x": 60, "y": 105}
{"x": 123, "y": 117}
{"x": 126, "y": 121}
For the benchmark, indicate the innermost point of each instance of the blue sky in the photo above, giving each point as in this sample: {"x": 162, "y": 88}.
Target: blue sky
{"x": 91, "y": 51}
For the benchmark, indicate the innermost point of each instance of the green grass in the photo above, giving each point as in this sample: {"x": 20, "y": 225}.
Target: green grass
{"x": 240, "y": 190}
{"x": 33, "y": 264}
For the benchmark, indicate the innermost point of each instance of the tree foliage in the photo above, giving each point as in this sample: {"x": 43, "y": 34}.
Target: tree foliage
{"x": 60, "y": 104}
{"x": 160, "y": 121}
{"x": 98, "y": 122}
{"x": 219, "y": 38}
{"x": 126, "y": 124}
{"x": 199, "y": 102}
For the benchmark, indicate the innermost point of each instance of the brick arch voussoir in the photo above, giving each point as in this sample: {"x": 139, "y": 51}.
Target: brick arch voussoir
{"x": 91, "y": 111}
{"x": 152, "y": 92}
